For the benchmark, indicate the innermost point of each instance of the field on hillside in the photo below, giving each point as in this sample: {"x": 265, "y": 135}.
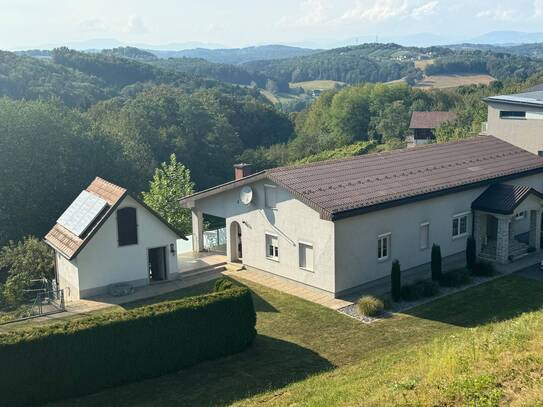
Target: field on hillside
{"x": 423, "y": 63}
{"x": 453, "y": 81}
{"x": 479, "y": 347}
{"x": 314, "y": 85}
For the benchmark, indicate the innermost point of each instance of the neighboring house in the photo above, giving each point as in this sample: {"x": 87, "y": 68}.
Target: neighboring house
{"x": 424, "y": 124}
{"x": 517, "y": 119}
{"x": 107, "y": 236}
{"x": 338, "y": 225}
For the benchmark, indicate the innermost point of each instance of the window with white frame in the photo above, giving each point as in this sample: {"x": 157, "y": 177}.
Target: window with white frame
{"x": 424, "y": 235}
{"x": 460, "y": 225}
{"x": 270, "y": 196}
{"x": 520, "y": 215}
{"x": 272, "y": 247}
{"x": 306, "y": 255}
{"x": 383, "y": 246}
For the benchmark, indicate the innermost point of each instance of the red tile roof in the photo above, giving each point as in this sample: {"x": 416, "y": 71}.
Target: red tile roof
{"x": 355, "y": 185}
{"x": 430, "y": 120}
{"x": 67, "y": 242}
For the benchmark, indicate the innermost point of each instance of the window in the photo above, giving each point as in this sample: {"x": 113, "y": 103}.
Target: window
{"x": 127, "y": 226}
{"x": 306, "y": 256}
{"x": 520, "y": 215}
{"x": 383, "y": 246}
{"x": 270, "y": 195}
{"x": 460, "y": 225}
{"x": 272, "y": 247}
{"x": 506, "y": 114}
{"x": 424, "y": 236}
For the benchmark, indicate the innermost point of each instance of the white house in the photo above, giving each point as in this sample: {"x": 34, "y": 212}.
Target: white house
{"x": 108, "y": 236}
{"x": 338, "y": 225}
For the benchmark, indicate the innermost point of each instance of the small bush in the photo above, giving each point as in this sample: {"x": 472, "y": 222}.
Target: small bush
{"x": 223, "y": 284}
{"x": 412, "y": 292}
{"x": 471, "y": 253}
{"x": 370, "y": 306}
{"x": 396, "y": 281}
{"x": 483, "y": 269}
{"x": 436, "y": 262}
{"x": 429, "y": 288}
{"x": 455, "y": 278}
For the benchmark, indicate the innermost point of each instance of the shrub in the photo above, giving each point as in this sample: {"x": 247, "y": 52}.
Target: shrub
{"x": 223, "y": 284}
{"x": 436, "y": 262}
{"x": 483, "y": 269}
{"x": 455, "y": 278}
{"x": 396, "y": 281}
{"x": 370, "y": 306}
{"x": 111, "y": 349}
{"x": 429, "y": 288}
{"x": 412, "y": 292}
{"x": 471, "y": 253}
{"x": 420, "y": 289}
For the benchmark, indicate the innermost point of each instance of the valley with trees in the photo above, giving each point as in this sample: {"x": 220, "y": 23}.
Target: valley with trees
{"x": 67, "y": 116}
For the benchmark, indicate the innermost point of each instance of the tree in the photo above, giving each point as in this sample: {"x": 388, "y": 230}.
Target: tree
{"x": 436, "y": 262}
{"x": 22, "y": 262}
{"x": 396, "y": 281}
{"x": 394, "y": 121}
{"x": 471, "y": 254}
{"x": 170, "y": 183}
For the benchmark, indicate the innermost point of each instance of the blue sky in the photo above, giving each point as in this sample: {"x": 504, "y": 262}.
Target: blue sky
{"x": 26, "y": 23}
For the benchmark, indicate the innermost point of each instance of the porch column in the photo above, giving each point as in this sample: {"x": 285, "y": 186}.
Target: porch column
{"x": 502, "y": 240}
{"x": 197, "y": 230}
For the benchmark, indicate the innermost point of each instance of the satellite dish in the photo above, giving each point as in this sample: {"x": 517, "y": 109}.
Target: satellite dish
{"x": 246, "y": 195}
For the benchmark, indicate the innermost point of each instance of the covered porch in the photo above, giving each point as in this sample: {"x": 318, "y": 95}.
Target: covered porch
{"x": 507, "y": 222}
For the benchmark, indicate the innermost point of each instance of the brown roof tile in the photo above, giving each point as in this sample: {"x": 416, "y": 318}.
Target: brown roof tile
{"x": 355, "y": 185}
{"x": 430, "y": 120}
{"x": 503, "y": 198}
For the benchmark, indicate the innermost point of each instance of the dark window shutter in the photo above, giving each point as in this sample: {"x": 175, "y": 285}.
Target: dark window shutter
{"x": 127, "y": 226}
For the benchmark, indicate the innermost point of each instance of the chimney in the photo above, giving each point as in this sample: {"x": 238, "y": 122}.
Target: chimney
{"x": 242, "y": 170}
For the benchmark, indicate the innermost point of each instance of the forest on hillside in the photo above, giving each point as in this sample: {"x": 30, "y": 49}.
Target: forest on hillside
{"x": 73, "y": 116}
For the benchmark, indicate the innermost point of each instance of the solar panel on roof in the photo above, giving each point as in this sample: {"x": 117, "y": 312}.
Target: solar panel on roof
{"x": 81, "y": 213}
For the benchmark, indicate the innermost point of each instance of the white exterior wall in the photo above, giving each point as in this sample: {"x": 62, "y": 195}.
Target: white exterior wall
{"x": 292, "y": 221}
{"x": 356, "y": 237}
{"x": 524, "y": 133}
{"x": 68, "y": 277}
{"x": 102, "y": 262}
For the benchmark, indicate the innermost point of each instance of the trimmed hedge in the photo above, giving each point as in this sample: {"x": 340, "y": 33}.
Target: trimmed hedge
{"x": 84, "y": 356}
{"x": 223, "y": 283}
{"x": 455, "y": 278}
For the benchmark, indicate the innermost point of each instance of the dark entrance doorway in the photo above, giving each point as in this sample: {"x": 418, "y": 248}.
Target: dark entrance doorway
{"x": 157, "y": 264}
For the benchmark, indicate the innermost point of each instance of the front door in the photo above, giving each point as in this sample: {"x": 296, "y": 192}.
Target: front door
{"x": 157, "y": 264}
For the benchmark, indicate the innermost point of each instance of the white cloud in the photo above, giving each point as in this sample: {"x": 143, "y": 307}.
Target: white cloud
{"x": 94, "y": 25}
{"x": 136, "y": 26}
{"x": 381, "y": 10}
{"x": 425, "y": 9}
{"x": 498, "y": 14}
{"x": 538, "y": 8}
{"x": 312, "y": 13}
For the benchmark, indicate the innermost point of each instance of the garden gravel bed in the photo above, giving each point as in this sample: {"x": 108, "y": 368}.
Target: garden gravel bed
{"x": 397, "y": 307}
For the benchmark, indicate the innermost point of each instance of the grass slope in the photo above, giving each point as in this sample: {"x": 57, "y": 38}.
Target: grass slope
{"x": 471, "y": 348}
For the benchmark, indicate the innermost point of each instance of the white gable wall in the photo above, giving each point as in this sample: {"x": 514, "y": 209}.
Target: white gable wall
{"x": 292, "y": 222}
{"x": 68, "y": 276}
{"x": 356, "y": 237}
{"x": 102, "y": 262}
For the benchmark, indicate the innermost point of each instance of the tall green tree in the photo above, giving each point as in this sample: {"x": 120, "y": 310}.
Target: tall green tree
{"x": 170, "y": 183}
{"x": 22, "y": 262}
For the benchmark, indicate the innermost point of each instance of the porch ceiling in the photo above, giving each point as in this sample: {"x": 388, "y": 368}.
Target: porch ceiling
{"x": 503, "y": 198}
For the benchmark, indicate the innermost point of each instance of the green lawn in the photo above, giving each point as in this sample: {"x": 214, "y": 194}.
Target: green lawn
{"x": 471, "y": 348}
